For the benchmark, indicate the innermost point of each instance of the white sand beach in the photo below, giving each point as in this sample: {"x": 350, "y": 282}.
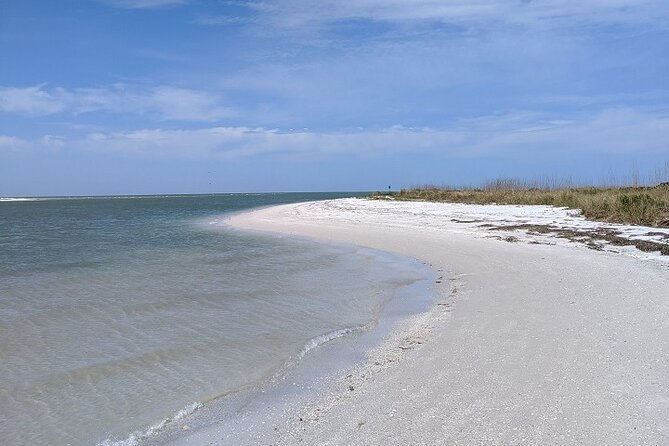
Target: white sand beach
{"x": 533, "y": 340}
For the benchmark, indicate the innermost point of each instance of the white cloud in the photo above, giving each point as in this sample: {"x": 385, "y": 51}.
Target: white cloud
{"x": 144, "y": 4}
{"x": 511, "y": 136}
{"x": 423, "y": 81}
{"x": 220, "y": 20}
{"x": 29, "y": 101}
{"x": 162, "y": 102}
{"x": 11, "y": 143}
{"x": 607, "y": 132}
{"x": 300, "y": 13}
{"x": 654, "y": 96}
{"x": 183, "y": 104}
{"x": 238, "y": 142}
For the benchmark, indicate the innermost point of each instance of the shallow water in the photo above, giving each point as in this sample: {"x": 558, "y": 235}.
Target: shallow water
{"x": 116, "y": 313}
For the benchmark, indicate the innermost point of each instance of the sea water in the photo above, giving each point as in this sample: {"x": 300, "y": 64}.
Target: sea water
{"x": 117, "y": 313}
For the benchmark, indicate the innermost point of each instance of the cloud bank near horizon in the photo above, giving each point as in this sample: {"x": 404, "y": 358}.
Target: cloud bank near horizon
{"x": 510, "y": 136}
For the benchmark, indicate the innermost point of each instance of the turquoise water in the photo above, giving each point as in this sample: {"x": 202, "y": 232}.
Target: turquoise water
{"x": 119, "y": 312}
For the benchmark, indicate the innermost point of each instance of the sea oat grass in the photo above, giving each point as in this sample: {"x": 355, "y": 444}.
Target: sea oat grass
{"x": 632, "y": 205}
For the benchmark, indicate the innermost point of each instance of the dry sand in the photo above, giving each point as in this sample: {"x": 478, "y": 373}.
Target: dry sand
{"x": 546, "y": 342}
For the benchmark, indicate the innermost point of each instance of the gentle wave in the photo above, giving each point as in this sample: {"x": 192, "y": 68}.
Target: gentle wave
{"x": 149, "y": 324}
{"x": 134, "y": 438}
{"x": 331, "y": 336}
{"x": 10, "y": 199}
{"x": 89, "y": 197}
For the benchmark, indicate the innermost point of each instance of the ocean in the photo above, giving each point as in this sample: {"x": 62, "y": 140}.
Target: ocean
{"x": 118, "y": 313}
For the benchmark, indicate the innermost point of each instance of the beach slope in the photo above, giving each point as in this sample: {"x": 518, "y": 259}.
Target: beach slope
{"x": 533, "y": 341}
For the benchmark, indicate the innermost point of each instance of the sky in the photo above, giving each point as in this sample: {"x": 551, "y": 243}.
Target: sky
{"x": 195, "y": 96}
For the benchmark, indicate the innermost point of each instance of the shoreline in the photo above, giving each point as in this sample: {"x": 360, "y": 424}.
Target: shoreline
{"x": 530, "y": 342}
{"x": 243, "y": 417}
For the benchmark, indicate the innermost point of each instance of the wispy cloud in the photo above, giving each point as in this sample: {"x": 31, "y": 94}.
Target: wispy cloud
{"x": 12, "y": 143}
{"x": 161, "y": 102}
{"x": 510, "y": 135}
{"x": 30, "y": 101}
{"x": 426, "y": 80}
{"x": 300, "y": 13}
{"x": 220, "y": 20}
{"x": 655, "y": 96}
{"x": 144, "y": 4}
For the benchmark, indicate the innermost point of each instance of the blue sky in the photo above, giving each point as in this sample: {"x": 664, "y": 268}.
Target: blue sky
{"x": 167, "y": 96}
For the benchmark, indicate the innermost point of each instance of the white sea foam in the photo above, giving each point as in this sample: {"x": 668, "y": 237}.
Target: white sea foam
{"x": 134, "y": 438}
{"x": 13, "y": 199}
{"x": 327, "y": 337}
{"x": 89, "y": 197}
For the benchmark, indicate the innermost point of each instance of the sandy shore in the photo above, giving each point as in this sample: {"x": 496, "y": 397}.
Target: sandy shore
{"x": 540, "y": 341}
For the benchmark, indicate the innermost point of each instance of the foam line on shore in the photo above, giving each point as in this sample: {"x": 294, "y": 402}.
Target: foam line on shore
{"x": 136, "y": 438}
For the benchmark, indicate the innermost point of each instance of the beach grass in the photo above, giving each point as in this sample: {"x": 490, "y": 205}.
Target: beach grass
{"x": 638, "y": 205}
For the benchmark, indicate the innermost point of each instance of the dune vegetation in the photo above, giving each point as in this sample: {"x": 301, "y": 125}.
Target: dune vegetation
{"x": 639, "y": 205}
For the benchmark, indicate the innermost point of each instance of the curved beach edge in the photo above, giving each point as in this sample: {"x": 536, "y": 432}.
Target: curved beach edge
{"x": 528, "y": 342}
